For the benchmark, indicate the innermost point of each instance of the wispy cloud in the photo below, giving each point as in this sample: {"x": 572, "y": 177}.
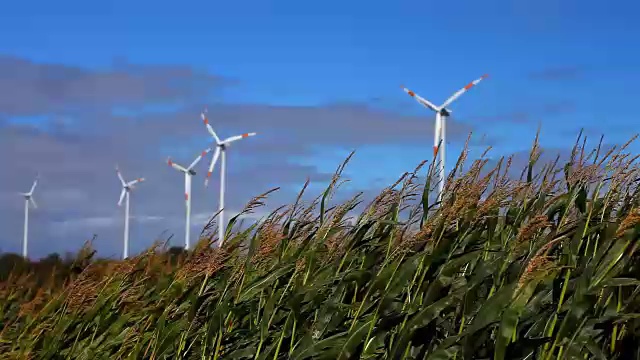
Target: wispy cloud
{"x": 559, "y": 107}
{"x": 147, "y": 218}
{"x": 62, "y": 196}
{"x": 560, "y": 73}
{"x": 532, "y": 113}
{"x": 94, "y": 223}
{"x": 79, "y": 189}
{"x": 34, "y": 88}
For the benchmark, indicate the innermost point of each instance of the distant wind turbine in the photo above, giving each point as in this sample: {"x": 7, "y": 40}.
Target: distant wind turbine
{"x": 439, "y": 136}
{"x": 124, "y": 195}
{"x": 28, "y": 198}
{"x": 221, "y": 149}
{"x": 188, "y": 173}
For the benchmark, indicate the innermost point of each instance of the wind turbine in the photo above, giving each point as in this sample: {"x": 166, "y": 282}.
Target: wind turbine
{"x": 28, "y": 198}
{"x": 439, "y": 136}
{"x": 124, "y": 195}
{"x": 188, "y": 173}
{"x": 221, "y": 150}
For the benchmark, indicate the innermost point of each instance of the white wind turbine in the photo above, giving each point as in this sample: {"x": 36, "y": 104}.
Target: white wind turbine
{"x": 188, "y": 173}
{"x": 439, "y": 136}
{"x": 221, "y": 149}
{"x": 124, "y": 195}
{"x": 28, "y": 198}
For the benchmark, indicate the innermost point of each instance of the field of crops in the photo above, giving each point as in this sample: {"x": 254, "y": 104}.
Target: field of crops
{"x": 545, "y": 267}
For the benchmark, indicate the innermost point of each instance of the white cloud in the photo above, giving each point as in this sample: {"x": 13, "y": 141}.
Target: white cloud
{"x": 87, "y": 223}
{"x": 62, "y": 197}
{"x": 202, "y": 219}
{"x": 147, "y": 218}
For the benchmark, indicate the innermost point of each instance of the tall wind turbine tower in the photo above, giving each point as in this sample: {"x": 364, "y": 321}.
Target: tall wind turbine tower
{"x": 188, "y": 173}
{"x": 124, "y": 195}
{"x": 439, "y": 136}
{"x": 28, "y": 198}
{"x": 221, "y": 151}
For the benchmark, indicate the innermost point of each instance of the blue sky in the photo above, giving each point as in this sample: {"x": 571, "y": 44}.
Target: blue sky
{"x": 289, "y": 52}
{"x": 563, "y": 64}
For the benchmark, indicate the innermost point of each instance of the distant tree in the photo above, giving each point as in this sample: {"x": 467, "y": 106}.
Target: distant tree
{"x": 12, "y": 263}
{"x": 49, "y": 268}
{"x": 175, "y": 254}
{"x": 55, "y": 257}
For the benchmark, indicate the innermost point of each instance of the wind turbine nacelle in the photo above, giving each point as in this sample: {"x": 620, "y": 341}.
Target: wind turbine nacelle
{"x": 191, "y": 172}
{"x": 445, "y": 112}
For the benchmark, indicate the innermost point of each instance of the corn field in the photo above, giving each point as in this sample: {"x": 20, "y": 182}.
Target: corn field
{"x": 541, "y": 267}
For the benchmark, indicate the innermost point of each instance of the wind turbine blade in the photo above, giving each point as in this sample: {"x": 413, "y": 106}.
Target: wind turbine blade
{"x": 33, "y": 202}
{"x": 131, "y": 183}
{"x": 237, "y": 137}
{"x": 122, "y": 194}
{"x": 216, "y": 155}
{"x": 175, "y": 166}
{"x": 120, "y": 175}
{"x": 209, "y": 127}
{"x": 33, "y": 187}
{"x": 426, "y": 103}
{"x": 197, "y": 160}
{"x": 463, "y": 90}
